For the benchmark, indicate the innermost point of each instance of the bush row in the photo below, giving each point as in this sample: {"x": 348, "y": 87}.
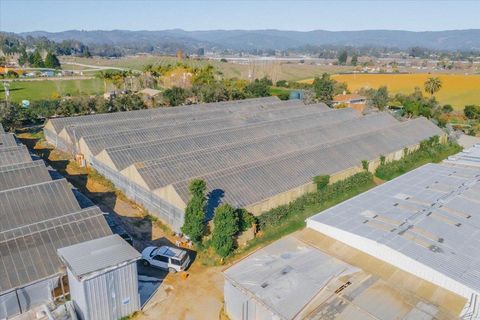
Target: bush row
{"x": 277, "y": 215}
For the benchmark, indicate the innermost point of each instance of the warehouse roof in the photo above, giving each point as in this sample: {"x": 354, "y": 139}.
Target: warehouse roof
{"x": 13, "y": 155}
{"x": 28, "y": 253}
{"x": 97, "y": 143}
{"x": 58, "y": 124}
{"x": 122, "y": 157}
{"x": 36, "y": 203}
{"x": 23, "y": 174}
{"x": 250, "y": 183}
{"x": 7, "y": 140}
{"x": 429, "y": 215}
{"x": 97, "y": 255}
{"x": 164, "y": 171}
{"x": 469, "y": 157}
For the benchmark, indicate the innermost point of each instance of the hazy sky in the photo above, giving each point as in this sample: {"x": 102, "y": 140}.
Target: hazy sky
{"x": 419, "y": 15}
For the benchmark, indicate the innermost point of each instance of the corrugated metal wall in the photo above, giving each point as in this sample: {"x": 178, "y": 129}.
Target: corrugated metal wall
{"x": 168, "y": 213}
{"x": 108, "y": 296}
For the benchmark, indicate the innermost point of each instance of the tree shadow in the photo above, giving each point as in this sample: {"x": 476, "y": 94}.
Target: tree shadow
{"x": 214, "y": 198}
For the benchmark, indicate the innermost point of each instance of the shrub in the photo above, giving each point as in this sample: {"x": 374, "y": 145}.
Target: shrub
{"x": 246, "y": 219}
{"x": 382, "y": 159}
{"x": 429, "y": 151}
{"x": 194, "y": 225}
{"x": 321, "y": 181}
{"x": 332, "y": 191}
{"x": 365, "y": 165}
{"x": 226, "y": 226}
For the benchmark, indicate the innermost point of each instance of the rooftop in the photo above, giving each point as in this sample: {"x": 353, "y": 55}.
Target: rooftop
{"x": 429, "y": 215}
{"x": 7, "y": 140}
{"x": 468, "y": 157}
{"x": 97, "y": 255}
{"x": 13, "y": 155}
{"x": 249, "y": 183}
{"x": 296, "y": 280}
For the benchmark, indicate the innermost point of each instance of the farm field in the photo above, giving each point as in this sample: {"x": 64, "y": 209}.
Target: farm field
{"x": 47, "y": 89}
{"x": 275, "y": 70}
{"x": 457, "y": 90}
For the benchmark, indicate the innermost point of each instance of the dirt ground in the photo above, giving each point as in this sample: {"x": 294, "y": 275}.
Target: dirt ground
{"x": 198, "y": 296}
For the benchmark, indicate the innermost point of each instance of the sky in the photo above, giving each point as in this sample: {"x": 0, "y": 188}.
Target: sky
{"x": 419, "y": 15}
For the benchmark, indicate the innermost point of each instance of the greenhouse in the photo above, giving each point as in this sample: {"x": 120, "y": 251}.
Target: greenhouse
{"x": 38, "y": 216}
{"x": 257, "y": 153}
{"x": 7, "y": 140}
{"x": 12, "y": 155}
{"x": 65, "y": 133}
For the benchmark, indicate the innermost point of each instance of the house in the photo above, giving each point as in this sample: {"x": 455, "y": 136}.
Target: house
{"x": 354, "y": 101}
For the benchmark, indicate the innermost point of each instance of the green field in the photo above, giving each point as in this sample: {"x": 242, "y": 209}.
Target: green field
{"x": 48, "y": 89}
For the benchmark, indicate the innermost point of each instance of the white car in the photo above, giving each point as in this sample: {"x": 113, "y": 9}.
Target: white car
{"x": 165, "y": 257}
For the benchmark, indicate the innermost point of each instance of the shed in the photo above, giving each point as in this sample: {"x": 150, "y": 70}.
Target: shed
{"x": 102, "y": 276}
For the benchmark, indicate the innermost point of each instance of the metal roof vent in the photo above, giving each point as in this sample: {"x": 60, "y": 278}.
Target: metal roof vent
{"x": 264, "y": 285}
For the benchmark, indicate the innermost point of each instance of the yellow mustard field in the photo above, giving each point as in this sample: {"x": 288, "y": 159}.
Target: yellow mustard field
{"x": 457, "y": 90}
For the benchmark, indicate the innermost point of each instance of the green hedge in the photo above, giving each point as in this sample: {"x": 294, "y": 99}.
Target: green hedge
{"x": 330, "y": 192}
{"x": 429, "y": 151}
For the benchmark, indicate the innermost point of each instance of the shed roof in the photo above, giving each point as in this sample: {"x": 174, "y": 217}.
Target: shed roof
{"x": 29, "y": 253}
{"x": 23, "y": 174}
{"x": 13, "y": 155}
{"x": 429, "y": 214}
{"x": 7, "y": 140}
{"x": 252, "y": 148}
{"x": 59, "y": 123}
{"x": 97, "y": 255}
{"x": 250, "y": 183}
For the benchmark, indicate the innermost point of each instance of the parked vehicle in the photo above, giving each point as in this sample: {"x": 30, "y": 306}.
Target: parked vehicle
{"x": 165, "y": 257}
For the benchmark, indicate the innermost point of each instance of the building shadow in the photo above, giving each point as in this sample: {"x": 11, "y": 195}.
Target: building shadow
{"x": 214, "y": 198}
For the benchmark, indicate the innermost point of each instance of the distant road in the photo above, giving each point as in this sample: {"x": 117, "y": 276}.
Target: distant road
{"x": 96, "y": 68}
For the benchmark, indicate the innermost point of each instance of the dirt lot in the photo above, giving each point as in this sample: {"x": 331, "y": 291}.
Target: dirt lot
{"x": 198, "y": 296}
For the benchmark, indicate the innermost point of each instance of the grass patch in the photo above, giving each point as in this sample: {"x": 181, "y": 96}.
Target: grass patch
{"x": 427, "y": 153}
{"x": 50, "y": 89}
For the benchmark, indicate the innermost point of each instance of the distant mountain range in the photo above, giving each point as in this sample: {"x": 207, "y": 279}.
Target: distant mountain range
{"x": 464, "y": 40}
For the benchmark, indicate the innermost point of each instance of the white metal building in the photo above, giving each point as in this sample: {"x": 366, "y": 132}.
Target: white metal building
{"x": 426, "y": 222}
{"x": 102, "y": 276}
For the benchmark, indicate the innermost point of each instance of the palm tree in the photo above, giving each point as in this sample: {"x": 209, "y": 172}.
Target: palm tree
{"x": 433, "y": 85}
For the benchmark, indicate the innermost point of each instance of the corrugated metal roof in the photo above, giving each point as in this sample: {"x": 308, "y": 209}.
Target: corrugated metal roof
{"x": 23, "y": 174}
{"x": 430, "y": 214}
{"x": 97, "y": 255}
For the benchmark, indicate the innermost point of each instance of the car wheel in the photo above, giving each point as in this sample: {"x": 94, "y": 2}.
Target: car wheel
{"x": 172, "y": 270}
{"x": 146, "y": 263}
